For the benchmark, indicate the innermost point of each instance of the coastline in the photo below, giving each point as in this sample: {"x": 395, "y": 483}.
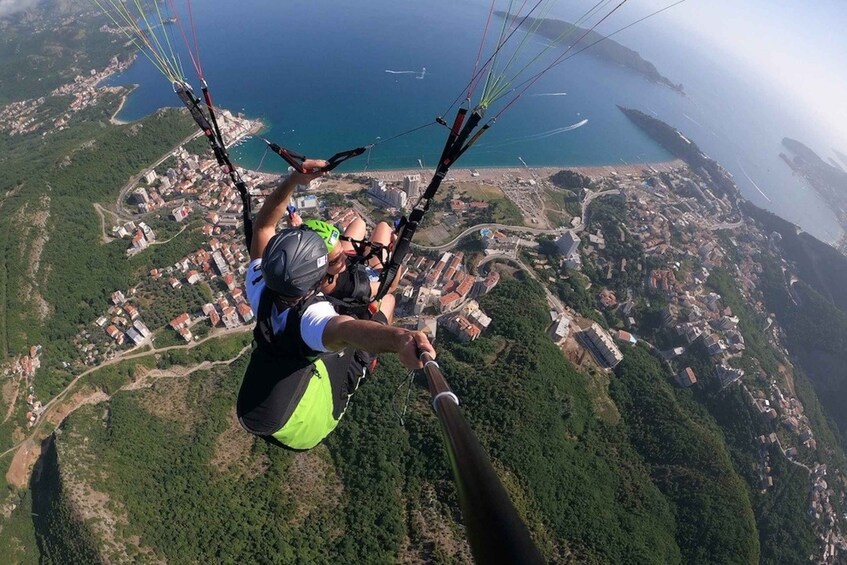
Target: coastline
{"x": 114, "y": 119}
{"x": 463, "y": 174}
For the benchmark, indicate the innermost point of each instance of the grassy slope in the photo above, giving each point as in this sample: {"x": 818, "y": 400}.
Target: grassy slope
{"x": 591, "y": 492}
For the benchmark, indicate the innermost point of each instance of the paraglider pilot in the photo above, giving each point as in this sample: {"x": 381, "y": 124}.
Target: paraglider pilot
{"x": 307, "y": 358}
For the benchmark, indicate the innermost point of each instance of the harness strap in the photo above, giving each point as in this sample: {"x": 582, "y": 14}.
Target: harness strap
{"x": 361, "y": 245}
{"x": 296, "y": 159}
{"x": 289, "y": 342}
{"x": 209, "y": 127}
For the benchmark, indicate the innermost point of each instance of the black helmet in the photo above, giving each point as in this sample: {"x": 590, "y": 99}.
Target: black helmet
{"x": 294, "y": 262}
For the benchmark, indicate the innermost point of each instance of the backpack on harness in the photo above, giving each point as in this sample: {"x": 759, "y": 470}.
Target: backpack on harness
{"x": 291, "y": 392}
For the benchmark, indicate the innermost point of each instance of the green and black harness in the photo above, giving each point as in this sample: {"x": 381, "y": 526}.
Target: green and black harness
{"x": 291, "y": 394}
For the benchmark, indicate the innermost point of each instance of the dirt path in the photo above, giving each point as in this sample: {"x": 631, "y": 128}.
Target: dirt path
{"x": 24, "y": 459}
{"x": 104, "y": 237}
{"x": 170, "y": 238}
{"x": 178, "y": 372}
{"x": 61, "y": 395}
{"x": 22, "y": 462}
{"x": 29, "y": 449}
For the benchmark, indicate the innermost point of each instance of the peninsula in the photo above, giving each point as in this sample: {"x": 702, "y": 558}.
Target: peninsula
{"x": 828, "y": 179}
{"x": 601, "y": 46}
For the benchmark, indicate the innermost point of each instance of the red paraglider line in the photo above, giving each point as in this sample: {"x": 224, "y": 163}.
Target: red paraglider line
{"x": 196, "y": 45}
{"x": 194, "y": 60}
{"x": 475, "y": 78}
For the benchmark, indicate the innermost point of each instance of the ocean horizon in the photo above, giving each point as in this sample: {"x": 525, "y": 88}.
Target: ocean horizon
{"x": 350, "y": 80}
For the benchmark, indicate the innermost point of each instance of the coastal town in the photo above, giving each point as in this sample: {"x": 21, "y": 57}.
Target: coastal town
{"x": 684, "y": 229}
{"x": 28, "y": 116}
{"x": 676, "y": 230}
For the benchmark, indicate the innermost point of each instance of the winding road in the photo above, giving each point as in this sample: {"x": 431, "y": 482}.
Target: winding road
{"x": 130, "y": 184}
{"x": 118, "y": 359}
{"x": 452, "y": 243}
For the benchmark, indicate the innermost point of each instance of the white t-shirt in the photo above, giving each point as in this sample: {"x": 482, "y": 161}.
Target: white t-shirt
{"x": 312, "y": 323}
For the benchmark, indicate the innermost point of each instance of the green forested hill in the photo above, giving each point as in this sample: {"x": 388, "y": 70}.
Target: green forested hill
{"x": 55, "y": 274}
{"x": 50, "y": 44}
{"x": 689, "y": 463}
{"x": 165, "y": 472}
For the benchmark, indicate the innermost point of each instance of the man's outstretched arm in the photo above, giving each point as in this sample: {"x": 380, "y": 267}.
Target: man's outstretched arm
{"x": 273, "y": 209}
{"x": 344, "y": 331}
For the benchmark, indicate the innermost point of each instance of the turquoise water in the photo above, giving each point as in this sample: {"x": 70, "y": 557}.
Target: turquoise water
{"x": 315, "y": 73}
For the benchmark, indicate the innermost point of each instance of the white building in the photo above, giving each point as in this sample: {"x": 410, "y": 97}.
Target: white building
{"x": 411, "y": 186}
{"x": 180, "y": 213}
{"x": 308, "y": 202}
{"x": 602, "y": 346}
{"x": 140, "y": 196}
{"x": 391, "y": 196}
{"x": 568, "y": 244}
{"x": 148, "y": 231}
{"x": 562, "y": 327}
{"x": 135, "y": 336}
{"x": 142, "y": 329}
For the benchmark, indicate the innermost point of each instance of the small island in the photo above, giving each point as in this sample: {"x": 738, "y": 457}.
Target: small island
{"x": 602, "y": 47}
{"x": 829, "y": 180}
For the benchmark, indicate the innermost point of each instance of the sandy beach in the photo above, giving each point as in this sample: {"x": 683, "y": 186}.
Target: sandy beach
{"x": 493, "y": 174}
{"x": 114, "y": 120}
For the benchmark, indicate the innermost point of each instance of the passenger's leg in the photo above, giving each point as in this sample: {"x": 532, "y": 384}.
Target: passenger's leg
{"x": 354, "y": 230}
{"x": 382, "y": 236}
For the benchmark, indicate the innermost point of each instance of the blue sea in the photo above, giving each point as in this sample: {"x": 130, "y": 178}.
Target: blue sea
{"x": 315, "y": 72}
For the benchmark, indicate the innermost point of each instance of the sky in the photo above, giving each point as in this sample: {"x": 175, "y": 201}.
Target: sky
{"x": 796, "y": 46}
{"x": 793, "y": 51}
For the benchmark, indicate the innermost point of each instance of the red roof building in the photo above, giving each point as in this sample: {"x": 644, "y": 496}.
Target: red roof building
{"x": 465, "y": 286}
{"x": 245, "y": 312}
{"x": 686, "y": 377}
{"x": 449, "y": 300}
{"x": 181, "y": 321}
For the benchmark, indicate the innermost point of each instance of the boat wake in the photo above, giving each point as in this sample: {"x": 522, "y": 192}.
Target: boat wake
{"x": 692, "y": 120}
{"x": 551, "y": 94}
{"x": 542, "y": 135}
{"x": 752, "y": 181}
{"x": 421, "y": 73}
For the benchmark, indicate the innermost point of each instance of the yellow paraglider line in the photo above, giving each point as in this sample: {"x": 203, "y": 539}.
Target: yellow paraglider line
{"x": 497, "y": 93}
{"x": 141, "y": 39}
